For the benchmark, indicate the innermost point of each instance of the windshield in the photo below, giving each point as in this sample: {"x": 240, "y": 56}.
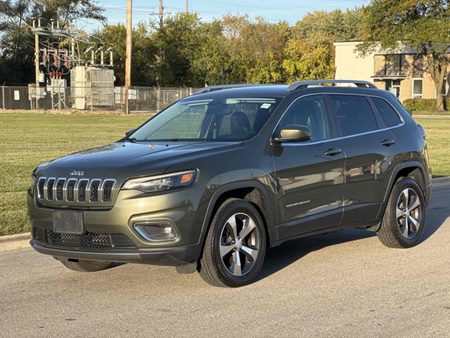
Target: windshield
{"x": 221, "y": 119}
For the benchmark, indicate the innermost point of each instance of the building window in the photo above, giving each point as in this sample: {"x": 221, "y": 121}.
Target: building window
{"x": 444, "y": 88}
{"x": 393, "y": 86}
{"x": 417, "y": 88}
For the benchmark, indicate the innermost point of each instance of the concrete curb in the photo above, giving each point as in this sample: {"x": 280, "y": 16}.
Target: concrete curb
{"x": 15, "y": 242}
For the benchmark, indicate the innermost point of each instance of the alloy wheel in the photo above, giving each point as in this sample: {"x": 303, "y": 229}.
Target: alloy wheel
{"x": 239, "y": 245}
{"x": 408, "y": 213}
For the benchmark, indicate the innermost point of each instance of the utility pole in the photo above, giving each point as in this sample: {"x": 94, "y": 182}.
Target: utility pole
{"x": 128, "y": 54}
{"x": 187, "y": 6}
{"x": 36, "y": 61}
{"x": 161, "y": 14}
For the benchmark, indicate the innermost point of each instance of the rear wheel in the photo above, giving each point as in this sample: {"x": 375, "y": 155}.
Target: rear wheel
{"x": 85, "y": 266}
{"x": 235, "y": 245}
{"x": 404, "y": 219}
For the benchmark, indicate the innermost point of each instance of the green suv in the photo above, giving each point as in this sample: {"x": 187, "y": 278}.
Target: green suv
{"x": 215, "y": 179}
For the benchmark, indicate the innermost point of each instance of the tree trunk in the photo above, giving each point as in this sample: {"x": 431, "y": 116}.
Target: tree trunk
{"x": 440, "y": 105}
{"x": 438, "y": 64}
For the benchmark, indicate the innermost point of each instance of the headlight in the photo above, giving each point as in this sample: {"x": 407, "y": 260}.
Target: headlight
{"x": 161, "y": 183}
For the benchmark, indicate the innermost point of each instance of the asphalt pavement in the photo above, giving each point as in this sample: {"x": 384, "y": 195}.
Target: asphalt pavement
{"x": 344, "y": 284}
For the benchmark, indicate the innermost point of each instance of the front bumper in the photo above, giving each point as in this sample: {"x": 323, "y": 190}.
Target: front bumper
{"x": 104, "y": 227}
{"x": 166, "y": 256}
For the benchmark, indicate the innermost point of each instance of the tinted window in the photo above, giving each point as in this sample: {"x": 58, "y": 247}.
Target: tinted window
{"x": 386, "y": 111}
{"x": 308, "y": 112}
{"x": 354, "y": 114}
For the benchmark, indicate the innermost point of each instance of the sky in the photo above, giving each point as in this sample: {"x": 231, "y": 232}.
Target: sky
{"x": 271, "y": 10}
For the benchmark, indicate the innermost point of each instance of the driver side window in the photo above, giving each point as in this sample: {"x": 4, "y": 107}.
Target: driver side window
{"x": 309, "y": 112}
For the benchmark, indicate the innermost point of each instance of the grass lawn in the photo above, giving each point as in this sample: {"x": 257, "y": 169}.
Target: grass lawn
{"x": 438, "y": 136}
{"x": 27, "y": 139}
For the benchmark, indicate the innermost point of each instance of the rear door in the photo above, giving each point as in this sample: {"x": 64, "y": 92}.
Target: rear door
{"x": 309, "y": 174}
{"x": 370, "y": 148}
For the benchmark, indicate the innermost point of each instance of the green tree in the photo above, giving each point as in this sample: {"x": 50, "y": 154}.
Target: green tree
{"x": 210, "y": 63}
{"x": 265, "y": 44}
{"x": 177, "y": 43}
{"x": 424, "y": 25}
{"x": 143, "y": 71}
{"x": 255, "y": 49}
{"x": 310, "y": 50}
{"x": 305, "y": 61}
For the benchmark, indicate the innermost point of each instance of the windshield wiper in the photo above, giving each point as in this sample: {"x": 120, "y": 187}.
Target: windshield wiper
{"x": 131, "y": 139}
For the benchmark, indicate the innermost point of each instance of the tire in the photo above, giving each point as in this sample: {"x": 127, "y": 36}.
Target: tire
{"x": 403, "y": 227}
{"x": 85, "y": 266}
{"x": 229, "y": 242}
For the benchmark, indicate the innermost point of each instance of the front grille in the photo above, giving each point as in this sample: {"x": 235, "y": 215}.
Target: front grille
{"x": 89, "y": 241}
{"x": 75, "y": 190}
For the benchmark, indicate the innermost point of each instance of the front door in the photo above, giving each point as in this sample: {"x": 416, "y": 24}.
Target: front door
{"x": 309, "y": 175}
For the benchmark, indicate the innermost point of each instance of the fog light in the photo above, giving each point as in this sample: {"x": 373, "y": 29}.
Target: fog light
{"x": 156, "y": 231}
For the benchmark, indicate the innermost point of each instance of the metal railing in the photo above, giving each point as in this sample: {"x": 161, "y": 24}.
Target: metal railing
{"x": 141, "y": 99}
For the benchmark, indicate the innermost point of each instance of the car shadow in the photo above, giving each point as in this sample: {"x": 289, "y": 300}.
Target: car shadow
{"x": 438, "y": 209}
{"x": 289, "y": 252}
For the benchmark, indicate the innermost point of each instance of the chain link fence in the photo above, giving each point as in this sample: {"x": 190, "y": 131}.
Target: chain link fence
{"x": 141, "y": 99}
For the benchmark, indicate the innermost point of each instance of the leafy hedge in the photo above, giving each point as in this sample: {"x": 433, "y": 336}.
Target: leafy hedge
{"x": 422, "y": 104}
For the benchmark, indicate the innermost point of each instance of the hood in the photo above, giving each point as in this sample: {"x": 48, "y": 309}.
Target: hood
{"x": 132, "y": 159}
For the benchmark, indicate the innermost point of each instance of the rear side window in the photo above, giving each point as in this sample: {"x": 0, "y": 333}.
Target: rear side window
{"x": 386, "y": 111}
{"x": 354, "y": 115}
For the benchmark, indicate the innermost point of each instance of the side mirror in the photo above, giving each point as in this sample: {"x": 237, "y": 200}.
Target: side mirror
{"x": 129, "y": 132}
{"x": 293, "y": 133}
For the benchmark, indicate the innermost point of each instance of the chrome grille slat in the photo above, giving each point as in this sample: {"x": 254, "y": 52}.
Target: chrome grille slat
{"x": 59, "y": 189}
{"x": 106, "y": 189}
{"x": 49, "y": 193}
{"x": 94, "y": 187}
{"x": 82, "y": 190}
{"x": 70, "y": 189}
{"x": 41, "y": 187}
{"x": 63, "y": 190}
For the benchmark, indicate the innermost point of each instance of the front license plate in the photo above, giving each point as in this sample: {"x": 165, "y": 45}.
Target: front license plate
{"x": 68, "y": 222}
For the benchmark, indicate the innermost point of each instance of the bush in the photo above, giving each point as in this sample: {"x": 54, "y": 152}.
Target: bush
{"x": 422, "y": 104}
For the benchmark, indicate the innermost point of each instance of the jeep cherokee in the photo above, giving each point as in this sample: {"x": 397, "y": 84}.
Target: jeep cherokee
{"x": 213, "y": 180}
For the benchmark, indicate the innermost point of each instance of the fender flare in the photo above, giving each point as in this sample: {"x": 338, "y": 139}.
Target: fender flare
{"x": 267, "y": 208}
{"x": 392, "y": 179}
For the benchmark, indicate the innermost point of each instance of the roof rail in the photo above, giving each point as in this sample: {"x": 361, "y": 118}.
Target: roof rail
{"x": 220, "y": 87}
{"x": 305, "y": 84}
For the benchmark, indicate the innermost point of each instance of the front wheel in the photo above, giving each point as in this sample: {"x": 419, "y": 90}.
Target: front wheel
{"x": 404, "y": 219}
{"x": 235, "y": 245}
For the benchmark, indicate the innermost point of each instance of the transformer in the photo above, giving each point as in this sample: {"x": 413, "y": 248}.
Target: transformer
{"x": 92, "y": 87}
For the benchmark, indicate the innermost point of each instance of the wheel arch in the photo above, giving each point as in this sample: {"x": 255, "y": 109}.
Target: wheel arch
{"x": 252, "y": 191}
{"x": 412, "y": 169}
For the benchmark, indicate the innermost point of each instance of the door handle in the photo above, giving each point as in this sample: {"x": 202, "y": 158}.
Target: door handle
{"x": 333, "y": 152}
{"x": 387, "y": 143}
